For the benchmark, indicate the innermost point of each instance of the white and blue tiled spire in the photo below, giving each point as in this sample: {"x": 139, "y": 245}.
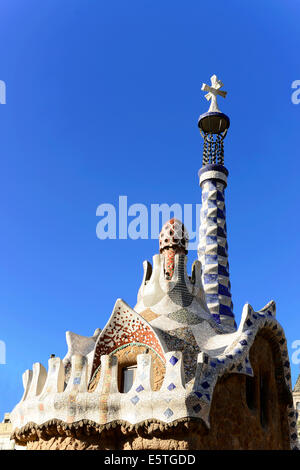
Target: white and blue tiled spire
{"x": 213, "y": 248}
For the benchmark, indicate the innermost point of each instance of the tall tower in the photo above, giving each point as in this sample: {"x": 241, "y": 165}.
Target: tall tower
{"x": 213, "y": 248}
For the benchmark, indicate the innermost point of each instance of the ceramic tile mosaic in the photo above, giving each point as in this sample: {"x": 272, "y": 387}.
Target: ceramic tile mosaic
{"x": 124, "y": 328}
{"x": 178, "y": 301}
{"x": 175, "y": 400}
{"x": 213, "y": 250}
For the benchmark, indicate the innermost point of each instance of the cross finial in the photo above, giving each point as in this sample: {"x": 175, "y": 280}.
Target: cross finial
{"x": 213, "y": 92}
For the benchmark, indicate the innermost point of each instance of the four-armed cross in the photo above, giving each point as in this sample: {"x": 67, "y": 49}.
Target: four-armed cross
{"x": 213, "y": 92}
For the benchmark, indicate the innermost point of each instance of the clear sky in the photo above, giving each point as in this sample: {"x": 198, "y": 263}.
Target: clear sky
{"x": 102, "y": 100}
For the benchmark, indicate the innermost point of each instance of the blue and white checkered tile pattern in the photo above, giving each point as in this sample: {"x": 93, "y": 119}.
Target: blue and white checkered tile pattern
{"x": 213, "y": 253}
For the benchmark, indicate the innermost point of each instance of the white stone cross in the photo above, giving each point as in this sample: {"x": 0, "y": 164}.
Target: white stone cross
{"x": 213, "y": 92}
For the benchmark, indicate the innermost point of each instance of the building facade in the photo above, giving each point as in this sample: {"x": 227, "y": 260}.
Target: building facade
{"x": 175, "y": 371}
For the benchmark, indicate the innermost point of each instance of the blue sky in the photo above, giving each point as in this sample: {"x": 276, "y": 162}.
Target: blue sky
{"x": 103, "y": 100}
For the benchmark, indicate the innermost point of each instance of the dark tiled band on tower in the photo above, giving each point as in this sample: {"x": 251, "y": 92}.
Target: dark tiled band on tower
{"x": 213, "y": 248}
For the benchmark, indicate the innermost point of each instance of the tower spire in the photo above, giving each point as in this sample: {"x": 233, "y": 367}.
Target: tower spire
{"x": 213, "y": 248}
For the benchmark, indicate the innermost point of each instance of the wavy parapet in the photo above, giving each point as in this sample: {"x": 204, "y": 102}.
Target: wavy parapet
{"x": 47, "y": 396}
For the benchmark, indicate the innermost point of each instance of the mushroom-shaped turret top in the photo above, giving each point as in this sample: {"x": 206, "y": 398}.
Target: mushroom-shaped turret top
{"x": 173, "y": 240}
{"x": 174, "y": 235}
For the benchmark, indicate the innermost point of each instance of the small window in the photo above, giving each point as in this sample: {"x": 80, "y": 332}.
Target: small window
{"x": 128, "y": 376}
{"x": 298, "y": 405}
